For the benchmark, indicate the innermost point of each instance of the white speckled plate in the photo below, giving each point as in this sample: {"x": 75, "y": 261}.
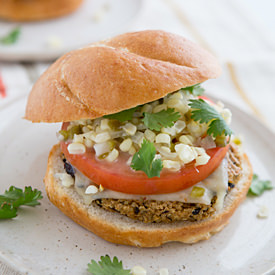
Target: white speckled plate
{"x": 93, "y": 21}
{"x": 42, "y": 240}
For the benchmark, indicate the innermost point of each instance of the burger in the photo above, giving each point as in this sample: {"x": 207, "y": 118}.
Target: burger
{"x": 143, "y": 157}
{"x": 32, "y": 10}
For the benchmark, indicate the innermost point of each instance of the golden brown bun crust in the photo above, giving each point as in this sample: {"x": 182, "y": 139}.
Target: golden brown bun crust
{"x": 122, "y": 230}
{"x": 32, "y": 10}
{"x": 117, "y": 74}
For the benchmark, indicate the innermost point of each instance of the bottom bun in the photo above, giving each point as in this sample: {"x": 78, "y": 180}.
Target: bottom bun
{"x": 119, "y": 229}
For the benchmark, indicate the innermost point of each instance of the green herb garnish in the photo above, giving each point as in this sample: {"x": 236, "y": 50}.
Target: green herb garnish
{"x": 11, "y": 37}
{"x": 195, "y": 90}
{"x": 107, "y": 267}
{"x": 13, "y": 198}
{"x": 204, "y": 113}
{"x": 164, "y": 118}
{"x": 144, "y": 160}
{"x": 123, "y": 115}
{"x": 259, "y": 186}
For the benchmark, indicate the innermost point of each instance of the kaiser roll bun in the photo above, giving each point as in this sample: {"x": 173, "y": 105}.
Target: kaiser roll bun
{"x": 116, "y": 228}
{"x": 32, "y": 10}
{"x": 117, "y": 74}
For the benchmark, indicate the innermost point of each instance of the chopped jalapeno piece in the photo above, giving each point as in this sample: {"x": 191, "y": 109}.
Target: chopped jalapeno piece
{"x": 64, "y": 134}
{"x": 197, "y": 192}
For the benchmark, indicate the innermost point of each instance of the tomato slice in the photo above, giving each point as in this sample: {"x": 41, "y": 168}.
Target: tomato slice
{"x": 118, "y": 176}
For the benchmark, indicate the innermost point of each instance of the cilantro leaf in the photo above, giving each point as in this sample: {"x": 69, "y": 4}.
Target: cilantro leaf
{"x": 164, "y": 118}
{"x": 204, "y": 113}
{"x": 15, "y": 197}
{"x": 107, "y": 267}
{"x": 7, "y": 211}
{"x": 259, "y": 186}
{"x": 144, "y": 160}
{"x": 11, "y": 37}
{"x": 123, "y": 115}
{"x": 195, "y": 90}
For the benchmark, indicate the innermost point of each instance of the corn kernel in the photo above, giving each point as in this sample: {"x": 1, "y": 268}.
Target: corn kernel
{"x": 91, "y": 189}
{"x": 138, "y": 138}
{"x": 171, "y": 164}
{"x": 141, "y": 127}
{"x": 166, "y": 152}
{"x": 147, "y": 108}
{"x": 179, "y": 126}
{"x": 201, "y": 160}
{"x": 200, "y": 151}
{"x": 104, "y": 124}
{"x": 169, "y": 130}
{"x": 102, "y": 148}
{"x": 88, "y": 143}
{"x": 187, "y": 139}
{"x": 163, "y": 271}
{"x": 163, "y": 138}
{"x": 185, "y": 153}
{"x": 76, "y": 148}
{"x": 178, "y": 105}
{"x": 78, "y": 138}
{"x": 66, "y": 180}
{"x": 113, "y": 155}
{"x": 86, "y": 129}
{"x": 149, "y": 135}
{"x": 130, "y": 129}
{"x": 177, "y": 96}
{"x": 196, "y": 129}
{"x": 227, "y": 115}
{"x": 90, "y": 135}
{"x": 132, "y": 150}
{"x": 125, "y": 145}
{"x": 263, "y": 212}
{"x": 159, "y": 108}
{"x": 102, "y": 137}
{"x": 138, "y": 270}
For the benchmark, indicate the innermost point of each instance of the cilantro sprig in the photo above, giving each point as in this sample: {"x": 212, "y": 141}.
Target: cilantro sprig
{"x": 195, "y": 90}
{"x": 107, "y": 267}
{"x": 164, "y": 118}
{"x": 258, "y": 186}
{"x": 204, "y": 113}
{"x": 14, "y": 197}
{"x": 11, "y": 37}
{"x": 144, "y": 160}
{"x": 123, "y": 115}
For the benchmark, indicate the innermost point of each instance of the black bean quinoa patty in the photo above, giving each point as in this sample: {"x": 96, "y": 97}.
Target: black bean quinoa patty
{"x": 151, "y": 211}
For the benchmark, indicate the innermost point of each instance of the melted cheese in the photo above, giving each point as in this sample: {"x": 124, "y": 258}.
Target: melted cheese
{"x": 215, "y": 184}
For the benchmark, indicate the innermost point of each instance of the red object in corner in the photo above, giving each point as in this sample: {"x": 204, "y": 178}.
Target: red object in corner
{"x": 2, "y": 88}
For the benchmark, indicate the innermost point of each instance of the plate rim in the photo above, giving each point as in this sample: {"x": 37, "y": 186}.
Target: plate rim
{"x": 20, "y": 266}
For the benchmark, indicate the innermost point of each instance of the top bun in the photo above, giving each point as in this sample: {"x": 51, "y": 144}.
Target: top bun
{"x": 118, "y": 74}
